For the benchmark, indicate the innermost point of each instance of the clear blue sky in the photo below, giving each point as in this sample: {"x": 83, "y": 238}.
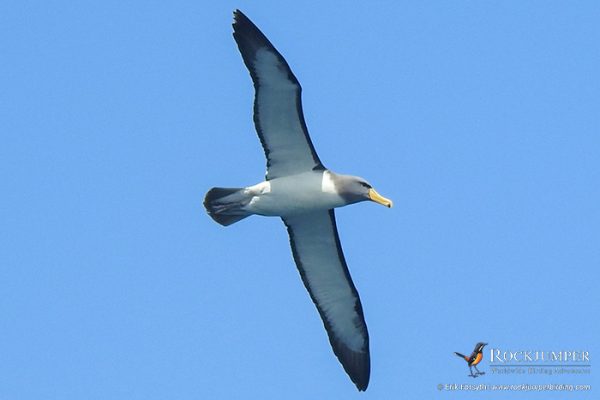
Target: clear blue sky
{"x": 481, "y": 120}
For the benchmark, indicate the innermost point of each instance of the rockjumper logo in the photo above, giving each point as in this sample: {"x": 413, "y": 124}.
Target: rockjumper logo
{"x": 474, "y": 359}
{"x": 519, "y": 357}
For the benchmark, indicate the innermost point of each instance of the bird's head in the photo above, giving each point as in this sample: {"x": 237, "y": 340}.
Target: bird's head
{"x": 355, "y": 189}
{"x": 479, "y": 346}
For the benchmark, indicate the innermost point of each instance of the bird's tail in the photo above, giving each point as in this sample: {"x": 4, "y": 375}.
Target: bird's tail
{"x": 461, "y": 355}
{"x": 225, "y": 205}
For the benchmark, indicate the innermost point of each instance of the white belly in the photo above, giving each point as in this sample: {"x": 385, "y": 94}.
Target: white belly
{"x": 291, "y": 195}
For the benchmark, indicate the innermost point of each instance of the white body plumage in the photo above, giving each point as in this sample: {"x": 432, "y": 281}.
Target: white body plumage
{"x": 295, "y": 194}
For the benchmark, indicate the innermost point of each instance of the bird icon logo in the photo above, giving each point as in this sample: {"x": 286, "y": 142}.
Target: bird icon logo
{"x": 474, "y": 359}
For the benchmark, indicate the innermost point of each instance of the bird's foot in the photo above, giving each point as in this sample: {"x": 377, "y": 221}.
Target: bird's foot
{"x": 474, "y": 376}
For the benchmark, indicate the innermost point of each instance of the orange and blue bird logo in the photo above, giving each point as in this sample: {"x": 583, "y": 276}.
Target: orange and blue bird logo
{"x": 474, "y": 359}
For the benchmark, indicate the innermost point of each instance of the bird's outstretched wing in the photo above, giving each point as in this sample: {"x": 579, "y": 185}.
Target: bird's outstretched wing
{"x": 318, "y": 255}
{"x": 277, "y": 104}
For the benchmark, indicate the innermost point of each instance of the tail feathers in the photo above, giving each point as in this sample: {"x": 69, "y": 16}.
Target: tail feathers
{"x": 224, "y": 205}
{"x": 461, "y": 355}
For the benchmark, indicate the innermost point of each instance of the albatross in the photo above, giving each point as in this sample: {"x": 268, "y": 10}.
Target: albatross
{"x": 300, "y": 190}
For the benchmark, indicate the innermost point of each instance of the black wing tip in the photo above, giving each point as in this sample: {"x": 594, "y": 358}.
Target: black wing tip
{"x": 239, "y": 18}
{"x": 242, "y": 25}
{"x": 356, "y": 364}
{"x": 361, "y": 381}
{"x": 249, "y": 39}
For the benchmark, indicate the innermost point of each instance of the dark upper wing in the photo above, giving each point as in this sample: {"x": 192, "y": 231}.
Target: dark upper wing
{"x": 277, "y": 104}
{"x": 318, "y": 255}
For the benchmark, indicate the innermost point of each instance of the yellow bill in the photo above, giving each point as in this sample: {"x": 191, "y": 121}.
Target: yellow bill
{"x": 377, "y": 198}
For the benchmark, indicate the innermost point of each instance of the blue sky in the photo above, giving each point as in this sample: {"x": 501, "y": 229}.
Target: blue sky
{"x": 479, "y": 119}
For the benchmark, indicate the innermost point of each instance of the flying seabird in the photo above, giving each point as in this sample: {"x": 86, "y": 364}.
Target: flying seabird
{"x": 300, "y": 190}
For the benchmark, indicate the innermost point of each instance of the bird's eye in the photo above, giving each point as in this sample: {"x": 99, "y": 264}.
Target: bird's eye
{"x": 364, "y": 184}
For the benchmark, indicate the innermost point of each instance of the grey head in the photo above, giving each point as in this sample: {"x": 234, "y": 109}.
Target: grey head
{"x": 354, "y": 189}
